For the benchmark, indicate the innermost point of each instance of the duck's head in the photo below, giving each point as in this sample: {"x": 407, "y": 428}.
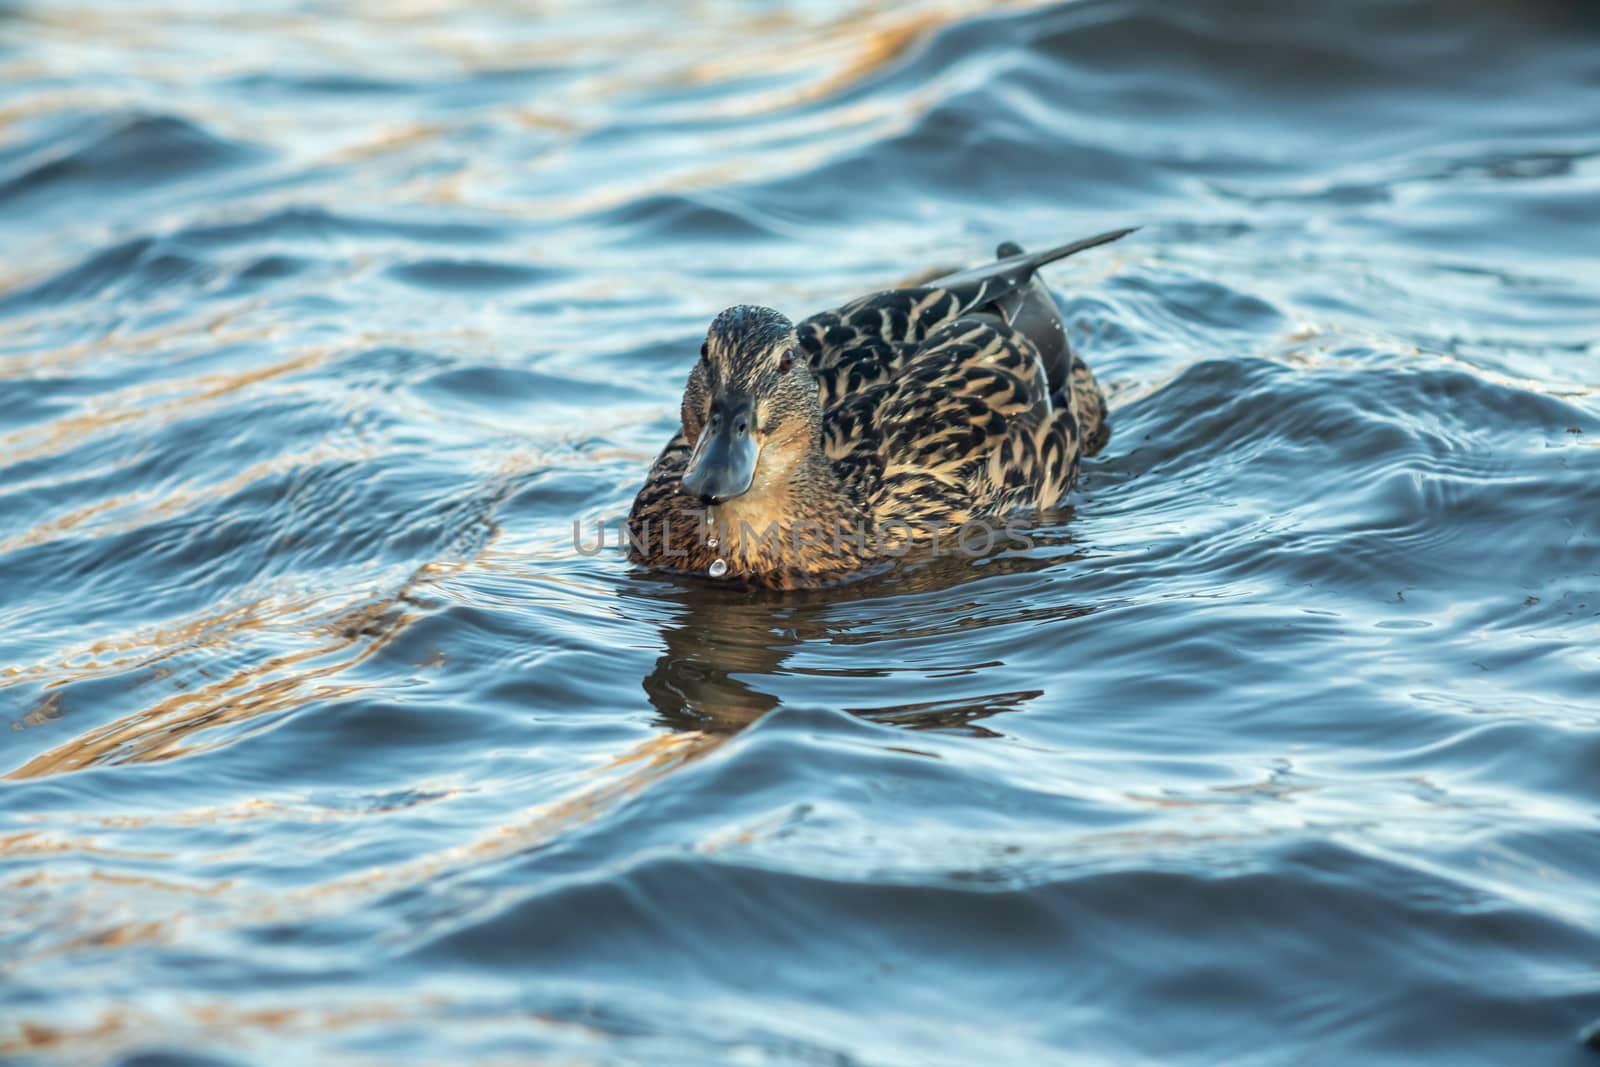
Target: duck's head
{"x": 751, "y": 407}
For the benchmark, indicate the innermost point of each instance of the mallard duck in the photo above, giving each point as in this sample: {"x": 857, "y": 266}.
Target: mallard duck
{"x": 808, "y": 453}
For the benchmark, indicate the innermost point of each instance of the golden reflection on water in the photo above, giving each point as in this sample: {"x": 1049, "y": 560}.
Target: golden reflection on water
{"x": 222, "y": 330}
{"x": 338, "y": 641}
{"x": 122, "y": 1030}
{"x": 278, "y": 684}
{"x": 626, "y": 775}
{"x": 234, "y": 904}
{"x": 849, "y": 50}
{"x": 143, "y": 650}
{"x": 707, "y": 684}
{"x": 164, "y": 504}
{"x": 818, "y": 58}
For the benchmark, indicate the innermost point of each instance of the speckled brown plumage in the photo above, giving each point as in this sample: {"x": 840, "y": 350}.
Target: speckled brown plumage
{"x": 876, "y": 424}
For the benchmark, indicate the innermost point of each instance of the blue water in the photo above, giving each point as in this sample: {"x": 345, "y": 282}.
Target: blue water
{"x": 321, "y": 325}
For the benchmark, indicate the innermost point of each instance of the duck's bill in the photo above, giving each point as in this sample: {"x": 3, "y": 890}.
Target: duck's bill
{"x": 722, "y": 465}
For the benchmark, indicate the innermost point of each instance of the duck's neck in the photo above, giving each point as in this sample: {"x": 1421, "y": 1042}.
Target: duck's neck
{"x": 802, "y": 520}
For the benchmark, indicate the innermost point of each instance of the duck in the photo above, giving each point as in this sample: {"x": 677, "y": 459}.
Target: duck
{"x": 807, "y": 454}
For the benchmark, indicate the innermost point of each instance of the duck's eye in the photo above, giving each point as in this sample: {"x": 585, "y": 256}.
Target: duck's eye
{"x": 786, "y": 361}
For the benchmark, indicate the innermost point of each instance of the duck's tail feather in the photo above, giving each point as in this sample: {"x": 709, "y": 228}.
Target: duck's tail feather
{"x": 1029, "y": 309}
{"x": 1038, "y": 259}
{"x": 980, "y": 288}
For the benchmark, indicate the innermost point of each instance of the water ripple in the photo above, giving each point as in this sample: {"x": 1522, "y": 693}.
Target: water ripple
{"x": 329, "y": 741}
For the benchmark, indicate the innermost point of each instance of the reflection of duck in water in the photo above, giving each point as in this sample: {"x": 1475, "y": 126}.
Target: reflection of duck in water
{"x": 729, "y": 654}
{"x": 810, "y": 452}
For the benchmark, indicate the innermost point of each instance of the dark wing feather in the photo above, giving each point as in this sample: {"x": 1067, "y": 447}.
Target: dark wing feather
{"x": 954, "y": 434}
{"x": 986, "y": 286}
{"x": 866, "y": 333}
{"x": 875, "y": 325}
{"x": 957, "y": 398}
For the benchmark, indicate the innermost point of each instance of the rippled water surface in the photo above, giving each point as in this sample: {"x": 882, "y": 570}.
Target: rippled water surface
{"x": 320, "y": 325}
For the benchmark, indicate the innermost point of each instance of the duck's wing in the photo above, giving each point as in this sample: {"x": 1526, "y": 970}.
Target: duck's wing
{"x": 958, "y": 432}
{"x": 867, "y": 341}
